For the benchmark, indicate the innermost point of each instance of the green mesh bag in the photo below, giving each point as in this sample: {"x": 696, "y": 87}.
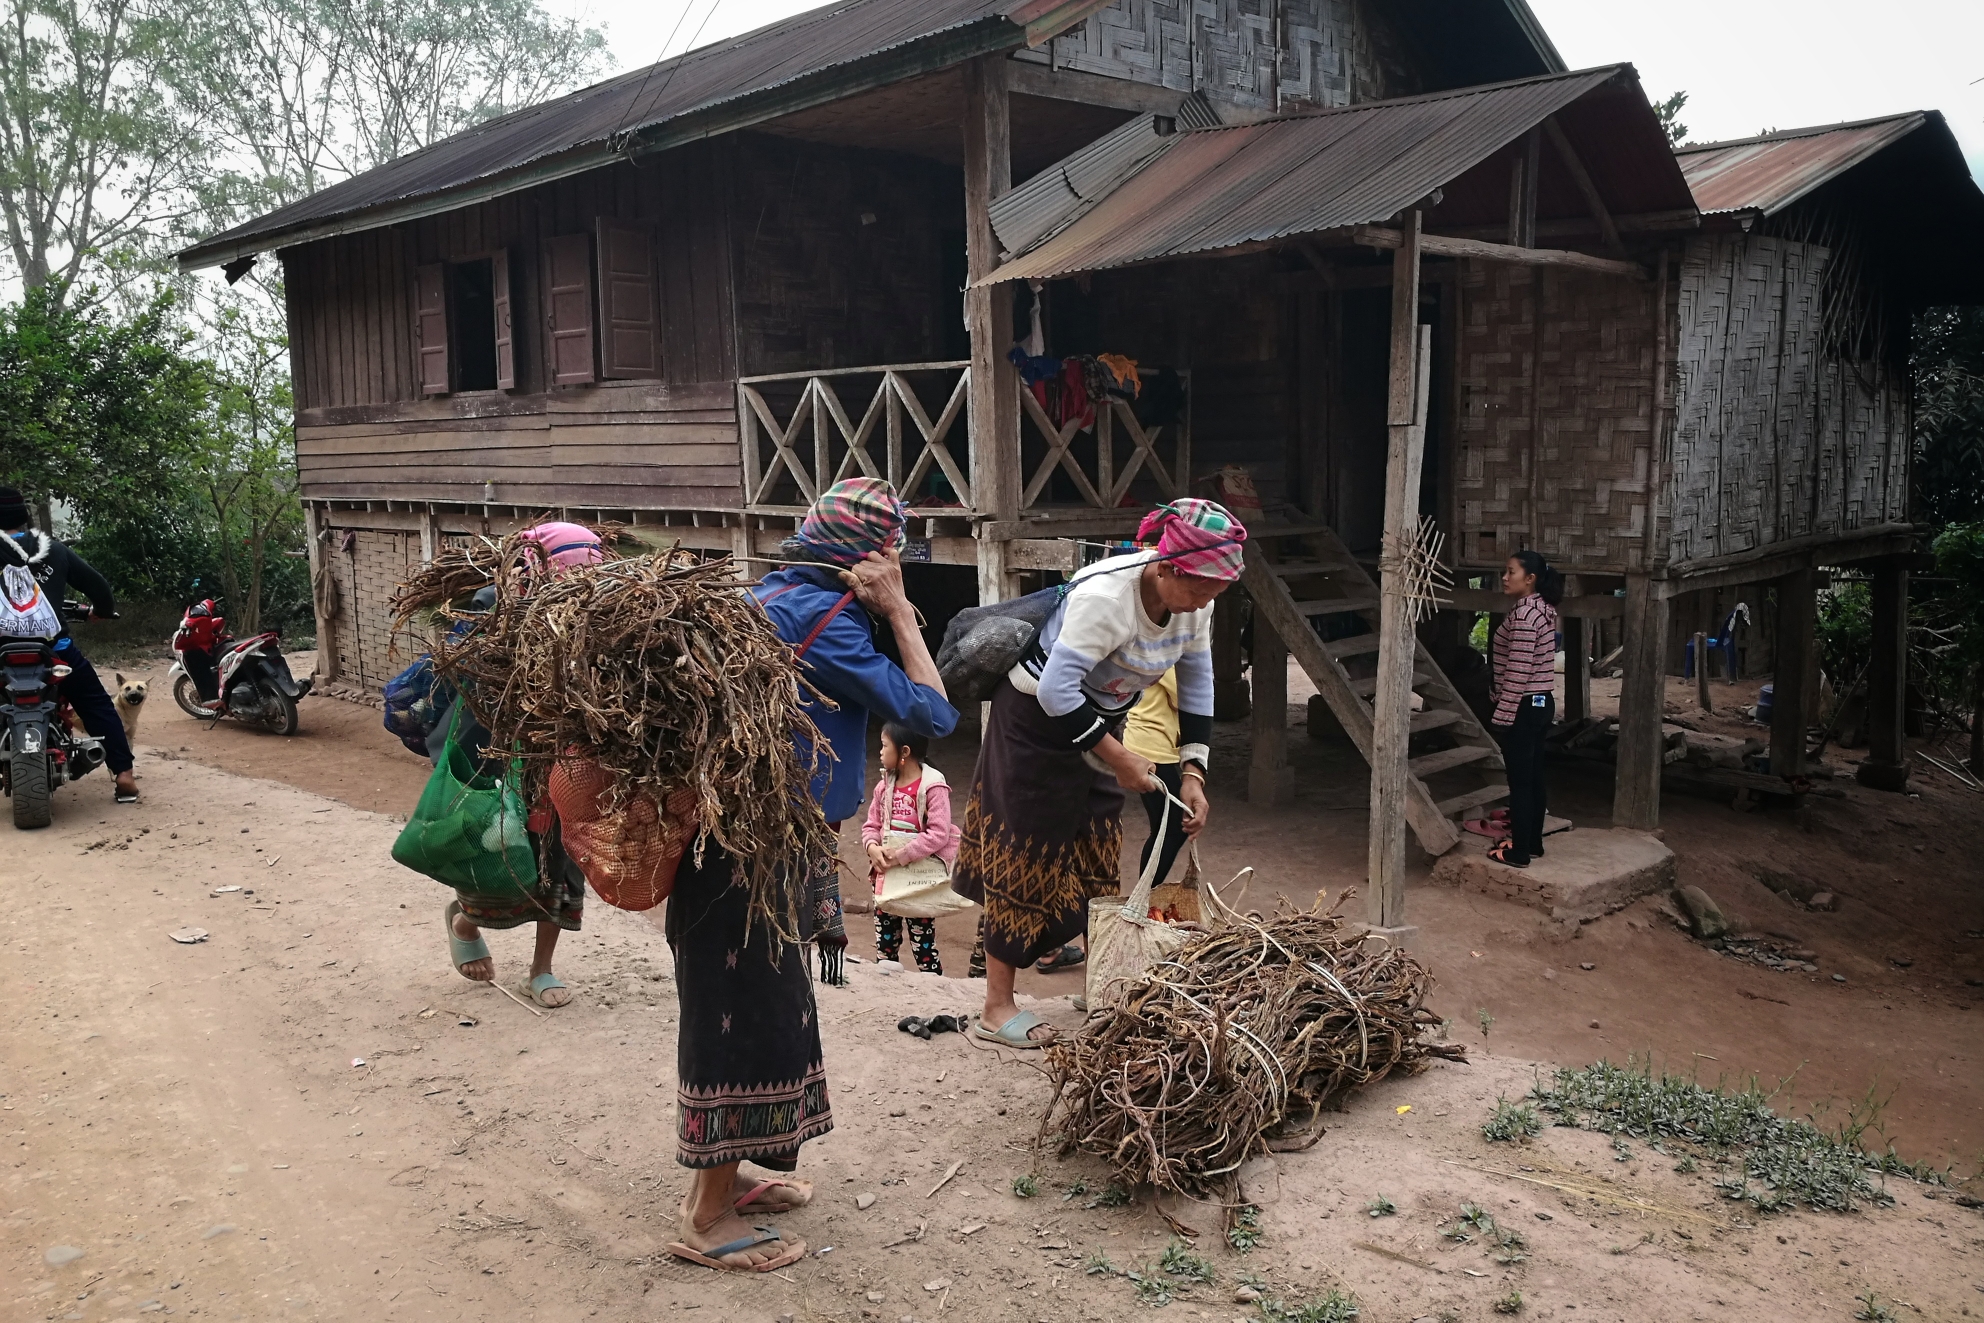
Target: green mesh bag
{"x": 468, "y": 832}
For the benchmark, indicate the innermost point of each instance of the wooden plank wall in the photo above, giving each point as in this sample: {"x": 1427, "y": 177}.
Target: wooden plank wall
{"x": 819, "y": 286}
{"x": 363, "y": 433}
{"x": 1334, "y": 52}
{"x": 1556, "y": 454}
{"x": 1775, "y": 438}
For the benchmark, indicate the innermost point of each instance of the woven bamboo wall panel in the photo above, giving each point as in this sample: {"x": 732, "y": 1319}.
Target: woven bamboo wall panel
{"x": 1331, "y": 52}
{"x": 1555, "y": 454}
{"x": 368, "y": 576}
{"x": 1774, "y": 438}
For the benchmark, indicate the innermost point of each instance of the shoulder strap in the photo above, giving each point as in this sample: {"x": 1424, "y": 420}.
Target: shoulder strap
{"x": 820, "y": 628}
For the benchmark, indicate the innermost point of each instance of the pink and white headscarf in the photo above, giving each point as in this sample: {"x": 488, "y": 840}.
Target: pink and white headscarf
{"x": 1198, "y": 537}
{"x": 566, "y": 546}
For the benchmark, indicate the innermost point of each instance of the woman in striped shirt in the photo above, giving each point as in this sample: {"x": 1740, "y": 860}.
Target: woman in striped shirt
{"x": 1525, "y": 697}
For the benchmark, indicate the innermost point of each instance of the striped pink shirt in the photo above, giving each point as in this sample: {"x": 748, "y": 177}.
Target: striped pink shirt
{"x": 1525, "y": 655}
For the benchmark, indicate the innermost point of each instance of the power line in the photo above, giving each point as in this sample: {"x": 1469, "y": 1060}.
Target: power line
{"x": 623, "y": 138}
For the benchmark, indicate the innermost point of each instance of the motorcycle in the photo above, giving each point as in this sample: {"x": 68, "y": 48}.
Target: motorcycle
{"x": 40, "y": 743}
{"x": 252, "y": 677}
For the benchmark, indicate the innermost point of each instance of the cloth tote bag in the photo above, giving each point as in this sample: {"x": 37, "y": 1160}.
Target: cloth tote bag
{"x": 920, "y": 889}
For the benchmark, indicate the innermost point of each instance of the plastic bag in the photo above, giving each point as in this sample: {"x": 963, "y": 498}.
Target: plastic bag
{"x": 630, "y": 857}
{"x": 415, "y": 702}
{"x": 468, "y": 832}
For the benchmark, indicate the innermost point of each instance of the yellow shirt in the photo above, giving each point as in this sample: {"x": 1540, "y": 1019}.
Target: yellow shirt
{"x": 1152, "y": 729}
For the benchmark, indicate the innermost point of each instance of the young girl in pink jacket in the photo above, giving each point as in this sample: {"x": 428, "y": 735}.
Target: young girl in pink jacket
{"x": 906, "y": 779}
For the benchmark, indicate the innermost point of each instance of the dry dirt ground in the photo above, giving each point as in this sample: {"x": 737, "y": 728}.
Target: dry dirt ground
{"x": 191, "y": 1118}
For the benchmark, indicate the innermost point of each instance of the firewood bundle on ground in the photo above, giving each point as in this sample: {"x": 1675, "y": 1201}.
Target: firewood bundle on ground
{"x": 659, "y": 668}
{"x": 1235, "y": 1045}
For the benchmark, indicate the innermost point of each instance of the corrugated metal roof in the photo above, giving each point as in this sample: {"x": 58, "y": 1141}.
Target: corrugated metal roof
{"x": 1057, "y": 194}
{"x": 710, "y": 76}
{"x": 1221, "y": 188}
{"x": 1770, "y": 172}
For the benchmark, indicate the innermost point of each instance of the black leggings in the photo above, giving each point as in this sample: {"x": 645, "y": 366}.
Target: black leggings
{"x": 1172, "y": 775}
{"x": 1522, "y": 750}
{"x": 85, "y": 693}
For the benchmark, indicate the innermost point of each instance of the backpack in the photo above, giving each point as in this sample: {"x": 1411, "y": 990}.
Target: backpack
{"x": 25, "y": 611}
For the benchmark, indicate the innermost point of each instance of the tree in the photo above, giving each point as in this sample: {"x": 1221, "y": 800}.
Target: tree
{"x": 1668, "y": 112}
{"x": 1947, "y": 362}
{"x": 96, "y": 155}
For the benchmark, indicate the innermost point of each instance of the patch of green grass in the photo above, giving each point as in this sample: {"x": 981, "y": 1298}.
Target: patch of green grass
{"x": 1510, "y": 1303}
{"x": 1152, "y": 1289}
{"x": 1098, "y": 1265}
{"x": 1380, "y": 1206}
{"x": 1485, "y": 1020}
{"x": 1872, "y": 1310}
{"x": 1333, "y": 1306}
{"x": 1179, "y": 1261}
{"x": 1686, "y": 1164}
{"x": 1511, "y": 1122}
{"x": 1474, "y": 1220}
{"x": 1116, "y": 1195}
{"x": 1245, "y": 1233}
{"x": 1793, "y": 1161}
{"x": 1025, "y": 1187}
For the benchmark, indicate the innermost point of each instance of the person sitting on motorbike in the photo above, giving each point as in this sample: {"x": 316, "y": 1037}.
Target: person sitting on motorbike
{"x": 199, "y": 642}
{"x": 56, "y": 567}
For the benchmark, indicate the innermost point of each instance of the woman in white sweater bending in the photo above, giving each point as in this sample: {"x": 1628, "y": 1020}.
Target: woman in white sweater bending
{"x": 1043, "y": 830}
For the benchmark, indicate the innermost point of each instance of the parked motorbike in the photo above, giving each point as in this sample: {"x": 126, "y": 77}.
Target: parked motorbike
{"x": 41, "y": 743}
{"x": 252, "y": 679}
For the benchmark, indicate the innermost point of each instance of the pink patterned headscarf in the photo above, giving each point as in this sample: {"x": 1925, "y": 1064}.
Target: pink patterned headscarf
{"x": 566, "y": 546}
{"x": 1198, "y": 537}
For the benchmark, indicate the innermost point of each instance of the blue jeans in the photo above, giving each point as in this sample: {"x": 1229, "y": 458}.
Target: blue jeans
{"x": 86, "y": 694}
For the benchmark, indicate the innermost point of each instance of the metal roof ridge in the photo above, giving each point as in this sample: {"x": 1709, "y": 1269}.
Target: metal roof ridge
{"x": 1418, "y": 98}
{"x": 1809, "y": 131}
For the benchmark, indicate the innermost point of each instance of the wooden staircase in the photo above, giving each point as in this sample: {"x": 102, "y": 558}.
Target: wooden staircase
{"x": 1300, "y": 573}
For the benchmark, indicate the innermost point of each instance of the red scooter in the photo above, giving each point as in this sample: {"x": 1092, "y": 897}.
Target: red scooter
{"x": 249, "y": 678}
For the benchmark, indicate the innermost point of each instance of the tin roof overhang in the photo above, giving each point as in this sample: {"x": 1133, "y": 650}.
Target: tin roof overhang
{"x": 1220, "y": 189}
{"x": 807, "y": 60}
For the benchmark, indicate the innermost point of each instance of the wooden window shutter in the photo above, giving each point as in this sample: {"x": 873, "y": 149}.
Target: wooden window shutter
{"x": 506, "y": 336}
{"x": 568, "y": 308}
{"x": 430, "y": 325}
{"x": 629, "y": 327}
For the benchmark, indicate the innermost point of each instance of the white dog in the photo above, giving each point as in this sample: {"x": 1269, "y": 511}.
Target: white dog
{"x": 130, "y": 701}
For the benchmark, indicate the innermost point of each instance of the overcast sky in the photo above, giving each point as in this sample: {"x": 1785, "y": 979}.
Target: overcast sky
{"x": 1745, "y": 64}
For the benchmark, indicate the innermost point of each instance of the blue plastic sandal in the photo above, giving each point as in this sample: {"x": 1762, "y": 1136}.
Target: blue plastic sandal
{"x": 462, "y": 950}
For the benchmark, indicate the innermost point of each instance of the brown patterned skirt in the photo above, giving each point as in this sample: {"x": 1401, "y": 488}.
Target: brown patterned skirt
{"x": 1043, "y": 833}
{"x": 750, "y": 1078}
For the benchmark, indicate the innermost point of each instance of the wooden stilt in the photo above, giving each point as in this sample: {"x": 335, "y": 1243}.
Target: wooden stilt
{"x": 1391, "y": 705}
{"x": 1791, "y": 713}
{"x": 321, "y": 587}
{"x": 1642, "y": 694}
{"x": 1886, "y": 765}
{"x": 992, "y": 407}
{"x": 1270, "y": 780}
{"x": 1577, "y": 667}
{"x": 1229, "y": 685}
{"x": 1700, "y": 645}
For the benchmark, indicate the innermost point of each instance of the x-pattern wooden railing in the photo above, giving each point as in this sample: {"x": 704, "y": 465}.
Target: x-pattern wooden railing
{"x": 840, "y": 445}
{"x": 1106, "y": 488}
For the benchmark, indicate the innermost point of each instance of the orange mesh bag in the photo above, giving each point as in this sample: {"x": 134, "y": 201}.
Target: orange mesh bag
{"x": 630, "y": 857}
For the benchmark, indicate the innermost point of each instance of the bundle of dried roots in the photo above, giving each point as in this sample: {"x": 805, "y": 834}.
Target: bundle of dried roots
{"x": 1245, "y": 1034}
{"x": 658, "y": 667}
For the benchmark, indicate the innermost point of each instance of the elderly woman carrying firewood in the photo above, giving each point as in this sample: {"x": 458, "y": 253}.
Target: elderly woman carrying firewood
{"x": 751, "y": 1077}
{"x": 1043, "y": 828}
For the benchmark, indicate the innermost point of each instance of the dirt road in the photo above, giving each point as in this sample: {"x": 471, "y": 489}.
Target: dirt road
{"x": 195, "y": 1120}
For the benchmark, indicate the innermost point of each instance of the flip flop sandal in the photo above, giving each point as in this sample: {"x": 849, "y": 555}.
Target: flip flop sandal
{"x": 1066, "y": 958}
{"x": 459, "y": 950}
{"x": 1501, "y": 855}
{"x": 126, "y": 797}
{"x": 1493, "y": 830}
{"x": 542, "y": 984}
{"x": 763, "y": 1187}
{"x": 1013, "y": 1033}
{"x": 760, "y": 1236}
{"x": 909, "y": 1024}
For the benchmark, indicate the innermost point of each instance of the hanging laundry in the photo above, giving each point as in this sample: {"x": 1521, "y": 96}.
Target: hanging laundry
{"x": 1036, "y": 339}
{"x": 1124, "y": 371}
{"x": 1076, "y": 401}
{"x": 1039, "y": 375}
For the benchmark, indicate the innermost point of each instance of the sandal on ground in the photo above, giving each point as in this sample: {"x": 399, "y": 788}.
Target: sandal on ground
{"x": 1065, "y": 958}
{"x": 759, "y": 1236}
{"x": 460, "y": 950}
{"x": 1488, "y": 827}
{"x": 1013, "y": 1033}
{"x": 1505, "y": 853}
{"x": 542, "y": 984}
{"x": 767, "y": 1186}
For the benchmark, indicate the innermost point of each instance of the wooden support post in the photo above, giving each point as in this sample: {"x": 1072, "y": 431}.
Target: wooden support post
{"x": 1642, "y": 696}
{"x": 1522, "y": 190}
{"x": 1229, "y": 685}
{"x": 1886, "y": 765}
{"x": 1791, "y": 712}
{"x": 321, "y": 587}
{"x": 1608, "y": 231}
{"x": 430, "y": 535}
{"x": 1270, "y": 780}
{"x": 1700, "y": 646}
{"x": 1391, "y": 704}
{"x": 1577, "y": 666}
{"x": 992, "y": 408}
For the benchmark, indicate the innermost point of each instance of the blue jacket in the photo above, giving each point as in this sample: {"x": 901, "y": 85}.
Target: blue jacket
{"x": 846, "y": 666}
